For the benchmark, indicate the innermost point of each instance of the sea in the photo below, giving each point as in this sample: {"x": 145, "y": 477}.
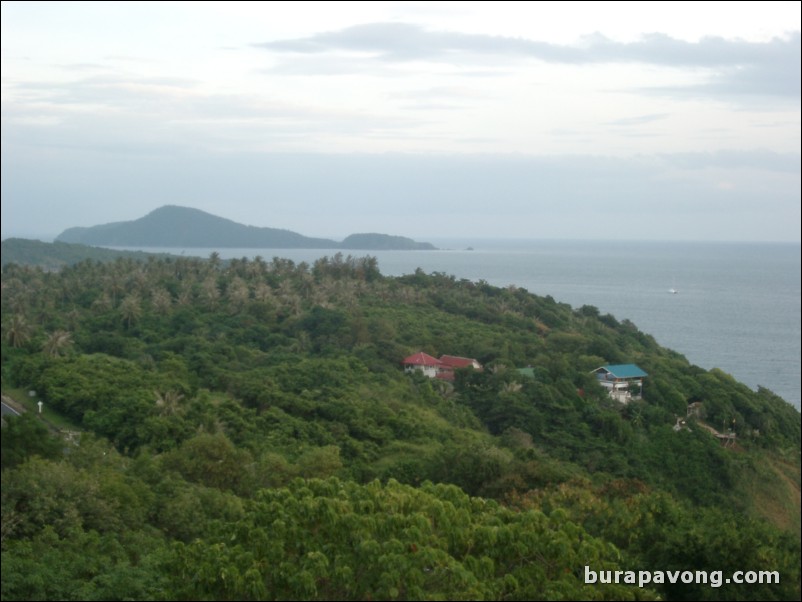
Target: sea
{"x": 733, "y": 306}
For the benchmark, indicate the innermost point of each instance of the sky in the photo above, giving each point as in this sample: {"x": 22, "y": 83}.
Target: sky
{"x": 535, "y": 120}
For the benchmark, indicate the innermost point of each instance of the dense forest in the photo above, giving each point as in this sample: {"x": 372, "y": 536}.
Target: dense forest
{"x": 244, "y": 430}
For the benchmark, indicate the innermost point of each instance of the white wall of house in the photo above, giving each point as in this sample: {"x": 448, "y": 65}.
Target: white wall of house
{"x": 621, "y": 395}
{"x": 430, "y": 371}
{"x": 620, "y": 390}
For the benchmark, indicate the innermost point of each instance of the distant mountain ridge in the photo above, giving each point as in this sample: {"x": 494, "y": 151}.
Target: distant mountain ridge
{"x": 174, "y": 226}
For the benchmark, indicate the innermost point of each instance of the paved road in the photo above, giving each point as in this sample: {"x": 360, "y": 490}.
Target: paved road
{"x": 8, "y": 410}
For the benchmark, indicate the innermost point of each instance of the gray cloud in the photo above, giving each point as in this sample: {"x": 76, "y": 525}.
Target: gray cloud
{"x": 405, "y": 42}
{"x": 738, "y": 67}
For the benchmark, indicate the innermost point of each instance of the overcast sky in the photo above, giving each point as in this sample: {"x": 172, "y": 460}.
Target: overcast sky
{"x": 664, "y": 120}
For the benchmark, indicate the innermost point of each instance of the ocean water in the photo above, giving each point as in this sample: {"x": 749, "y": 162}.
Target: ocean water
{"x": 737, "y": 305}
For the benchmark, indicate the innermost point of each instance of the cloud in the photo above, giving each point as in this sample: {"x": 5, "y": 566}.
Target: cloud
{"x": 737, "y": 67}
{"x": 102, "y": 89}
{"x": 638, "y": 119}
{"x": 156, "y": 116}
{"x": 400, "y": 42}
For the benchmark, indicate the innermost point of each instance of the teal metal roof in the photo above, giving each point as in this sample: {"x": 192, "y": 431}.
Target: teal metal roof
{"x": 624, "y": 371}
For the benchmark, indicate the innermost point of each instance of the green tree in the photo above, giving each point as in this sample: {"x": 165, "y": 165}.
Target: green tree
{"x": 131, "y": 310}
{"x": 18, "y": 332}
{"x": 57, "y": 343}
{"x": 25, "y": 436}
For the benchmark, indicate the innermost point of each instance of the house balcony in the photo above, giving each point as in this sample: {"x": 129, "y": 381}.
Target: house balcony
{"x": 622, "y": 390}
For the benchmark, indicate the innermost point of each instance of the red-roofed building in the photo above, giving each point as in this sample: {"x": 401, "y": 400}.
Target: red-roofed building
{"x": 454, "y": 361}
{"x": 424, "y": 362}
{"x": 442, "y": 368}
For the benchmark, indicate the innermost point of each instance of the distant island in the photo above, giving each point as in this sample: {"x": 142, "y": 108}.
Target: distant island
{"x": 174, "y": 226}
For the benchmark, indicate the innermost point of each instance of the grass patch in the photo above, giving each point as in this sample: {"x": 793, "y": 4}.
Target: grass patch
{"x": 772, "y": 486}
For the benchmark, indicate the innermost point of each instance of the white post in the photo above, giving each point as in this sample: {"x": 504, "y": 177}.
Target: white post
{"x": 40, "y": 404}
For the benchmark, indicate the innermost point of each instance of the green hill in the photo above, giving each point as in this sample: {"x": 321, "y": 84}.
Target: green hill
{"x": 53, "y": 256}
{"x": 172, "y": 226}
{"x": 383, "y": 242}
{"x": 250, "y": 433}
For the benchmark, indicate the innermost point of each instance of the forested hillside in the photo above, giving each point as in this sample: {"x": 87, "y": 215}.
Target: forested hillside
{"x": 54, "y": 256}
{"x": 247, "y": 432}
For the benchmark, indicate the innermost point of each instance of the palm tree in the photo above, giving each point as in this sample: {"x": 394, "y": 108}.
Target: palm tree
{"x": 114, "y": 286}
{"x": 18, "y": 332}
{"x": 73, "y": 318}
{"x": 57, "y": 343}
{"x": 102, "y": 303}
{"x": 185, "y": 296}
{"x": 257, "y": 267}
{"x": 131, "y": 310}
{"x": 301, "y": 343}
{"x": 211, "y": 293}
{"x": 168, "y": 402}
{"x": 263, "y": 292}
{"x": 161, "y": 300}
{"x": 238, "y": 294}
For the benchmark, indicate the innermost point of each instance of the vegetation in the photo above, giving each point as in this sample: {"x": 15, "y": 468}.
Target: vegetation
{"x": 54, "y": 256}
{"x": 378, "y": 242}
{"x": 248, "y": 433}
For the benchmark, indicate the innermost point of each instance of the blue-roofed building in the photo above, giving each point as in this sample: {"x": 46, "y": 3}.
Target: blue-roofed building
{"x": 623, "y": 382}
